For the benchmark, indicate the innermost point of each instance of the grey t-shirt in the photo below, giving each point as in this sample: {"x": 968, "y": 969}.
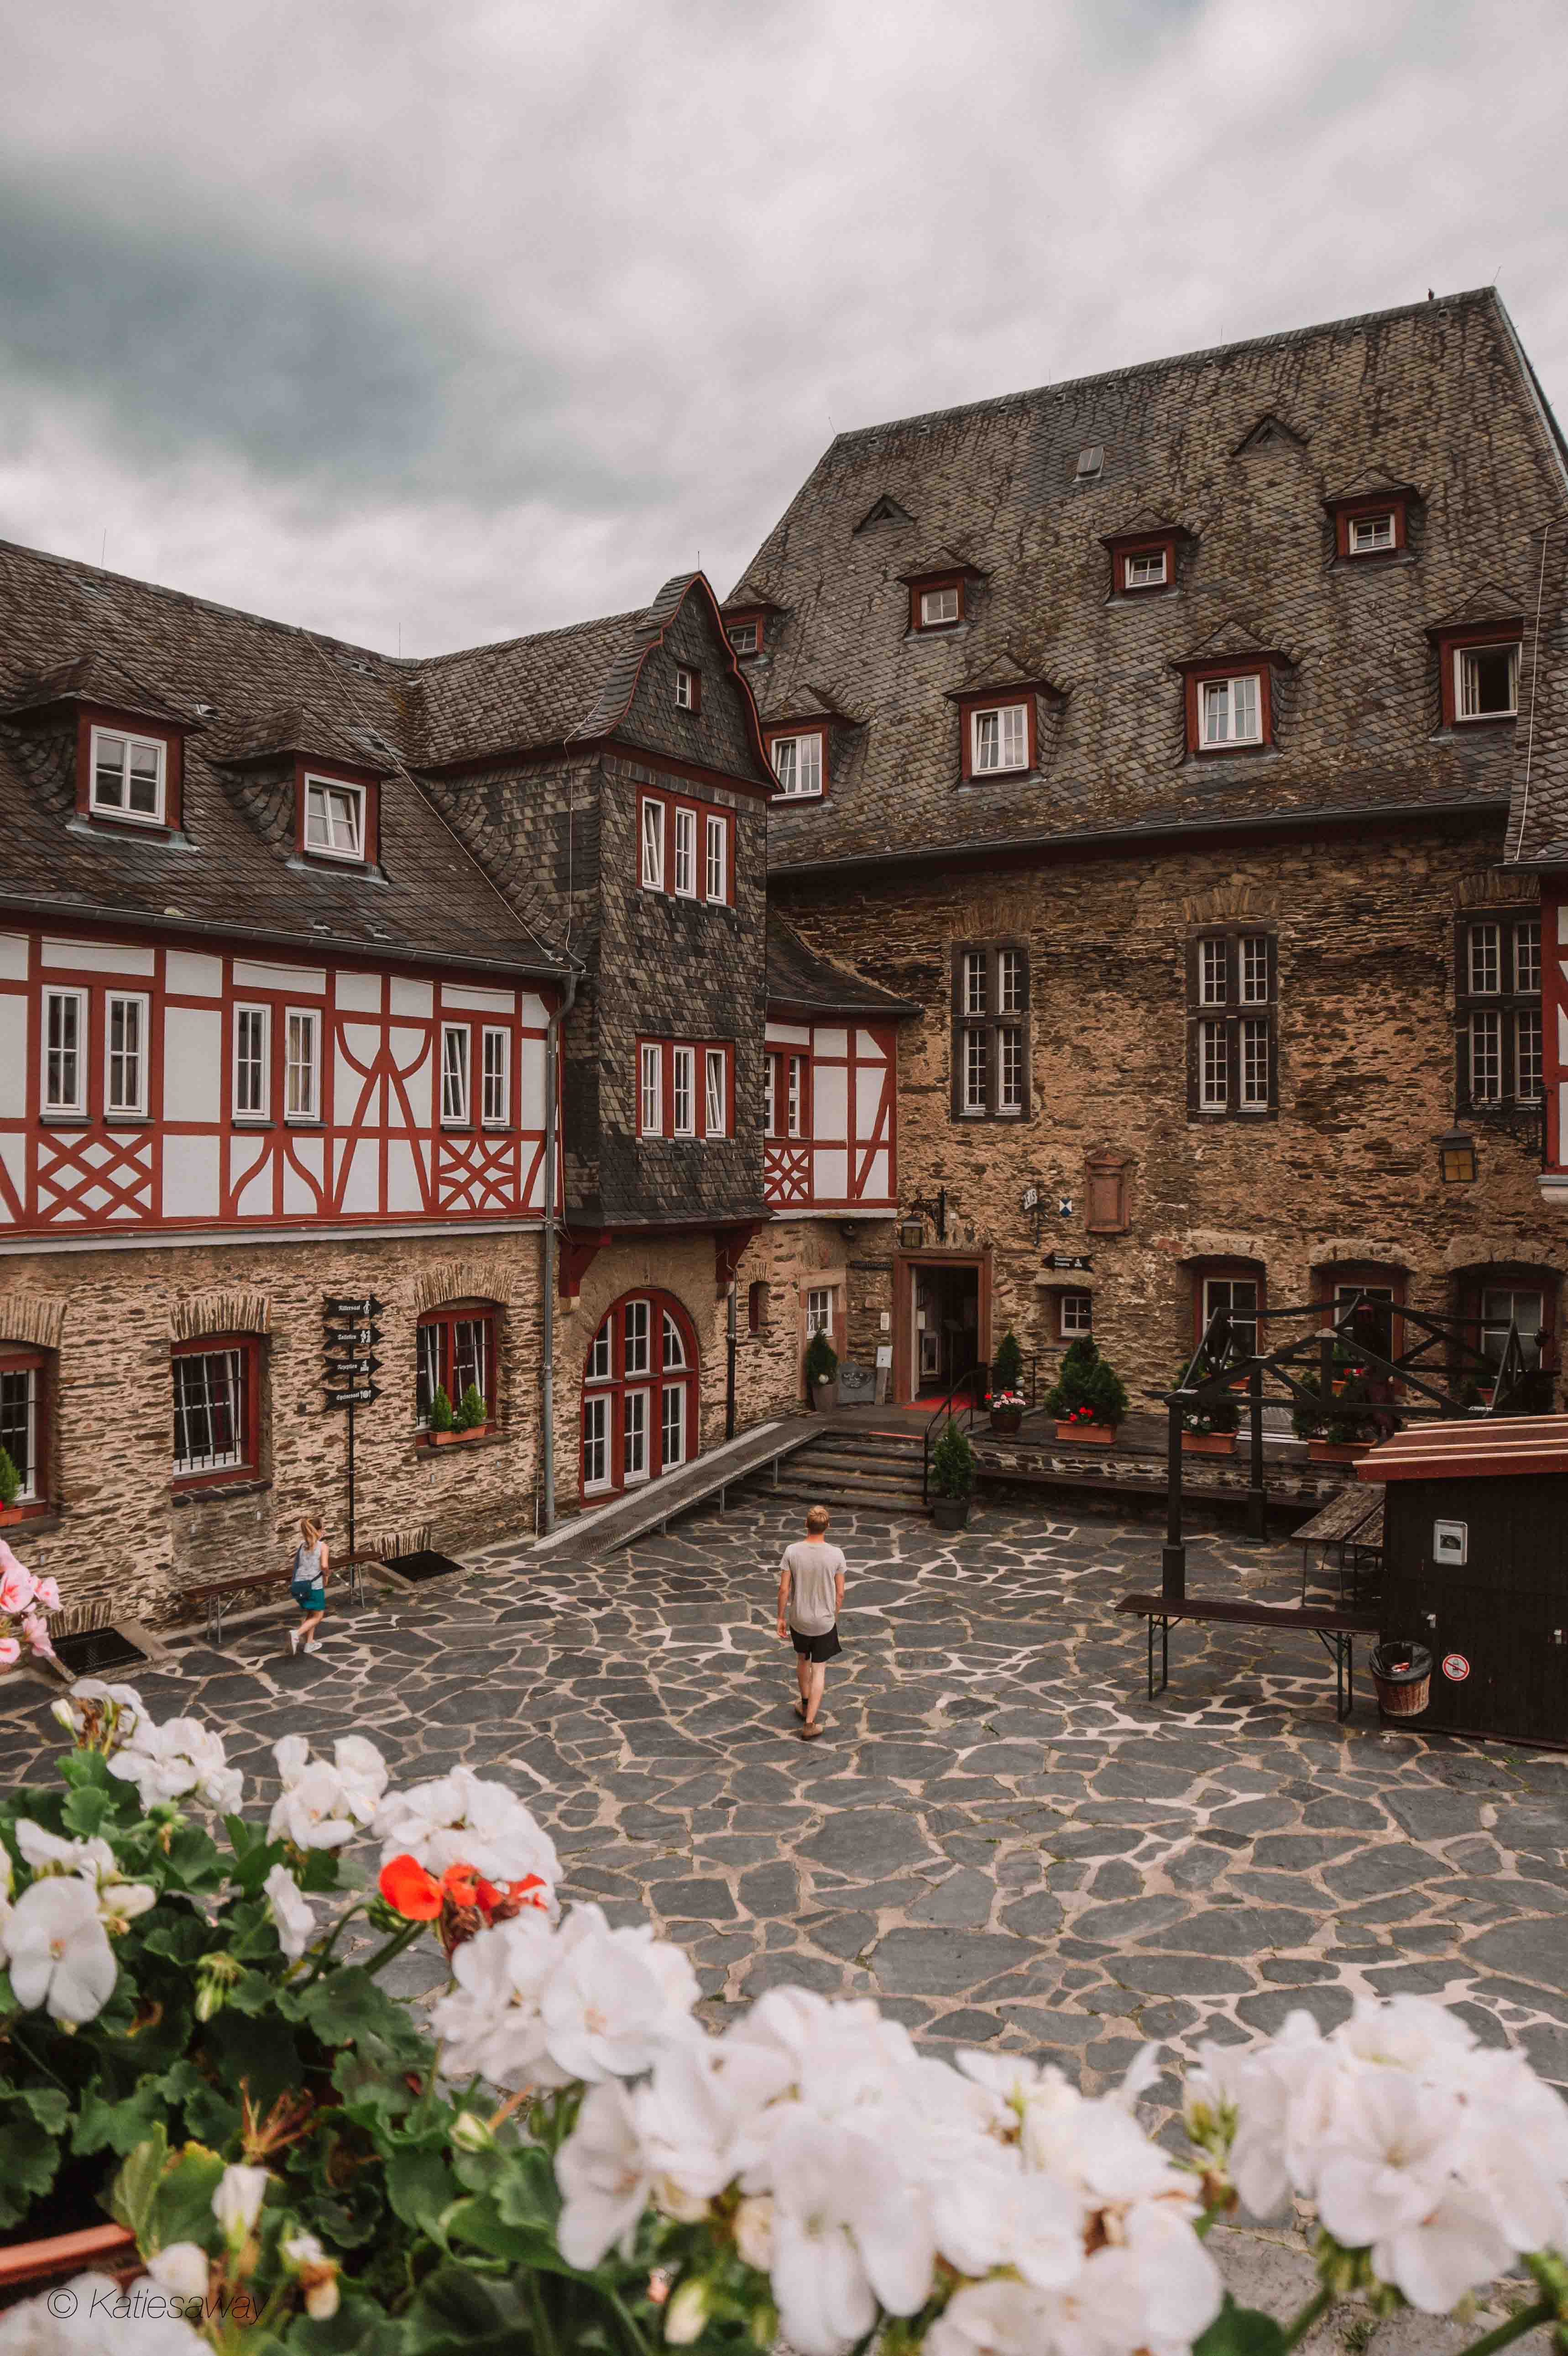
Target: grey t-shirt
{"x": 814, "y": 1566}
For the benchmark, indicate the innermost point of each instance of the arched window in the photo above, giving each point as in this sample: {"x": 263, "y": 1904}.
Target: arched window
{"x": 639, "y": 1394}
{"x": 456, "y": 1348}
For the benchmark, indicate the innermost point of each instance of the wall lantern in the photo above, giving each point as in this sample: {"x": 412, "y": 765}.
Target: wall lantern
{"x": 1459, "y": 1164}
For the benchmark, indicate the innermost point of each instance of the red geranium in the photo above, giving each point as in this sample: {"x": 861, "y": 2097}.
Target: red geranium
{"x": 461, "y": 1902}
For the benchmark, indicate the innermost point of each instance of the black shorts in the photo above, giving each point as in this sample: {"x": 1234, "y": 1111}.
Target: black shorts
{"x": 824, "y": 1647}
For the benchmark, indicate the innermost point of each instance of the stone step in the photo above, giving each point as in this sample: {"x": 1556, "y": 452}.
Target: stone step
{"x": 844, "y": 1459}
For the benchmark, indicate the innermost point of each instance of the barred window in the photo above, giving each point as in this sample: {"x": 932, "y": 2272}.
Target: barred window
{"x": 214, "y": 1404}
{"x": 1232, "y": 1014}
{"x": 990, "y": 1052}
{"x": 1498, "y": 1013}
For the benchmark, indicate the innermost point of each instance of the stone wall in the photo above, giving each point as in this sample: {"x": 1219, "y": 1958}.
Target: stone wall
{"x": 1347, "y": 1171}
{"x": 122, "y": 1538}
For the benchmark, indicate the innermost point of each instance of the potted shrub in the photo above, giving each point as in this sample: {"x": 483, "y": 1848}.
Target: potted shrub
{"x": 443, "y": 1420}
{"x": 821, "y": 1372}
{"x": 10, "y": 1488}
{"x": 1006, "y": 1397}
{"x": 1089, "y": 1397}
{"x": 1335, "y": 1432}
{"x": 471, "y": 1416}
{"x": 952, "y": 1474}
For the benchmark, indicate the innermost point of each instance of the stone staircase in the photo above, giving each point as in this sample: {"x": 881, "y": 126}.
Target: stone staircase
{"x": 866, "y": 1472}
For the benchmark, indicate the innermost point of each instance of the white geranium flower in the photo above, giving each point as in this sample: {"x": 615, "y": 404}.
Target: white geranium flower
{"x": 292, "y": 1917}
{"x": 462, "y": 1819}
{"x": 991, "y": 2319}
{"x": 363, "y": 1774}
{"x": 1434, "y": 2260}
{"x": 612, "y": 1997}
{"x": 57, "y": 1952}
{"x": 312, "y": 1810}
{"x": 47, "y": 1853}
{"x": 99, "y": 2315}
{"x": 1391, "y": 2154}
{"x": 182, "y": 2270}
{"x": 1103, "y": 2311}
{"x": 825, "y": 2298}
{"x": 1182, "y": 2289}
{"x": 603, "y": 2176}
{"x": 167, "y": 1761}
{"x": 304, "y": 2257}
{"x": 237, "y": 2202}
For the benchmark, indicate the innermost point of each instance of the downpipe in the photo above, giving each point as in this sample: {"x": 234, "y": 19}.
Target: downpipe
{"x": 554, "y": 1029}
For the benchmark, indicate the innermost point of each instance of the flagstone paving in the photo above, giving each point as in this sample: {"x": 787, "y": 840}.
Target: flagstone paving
{"x": 997, "y": 1836}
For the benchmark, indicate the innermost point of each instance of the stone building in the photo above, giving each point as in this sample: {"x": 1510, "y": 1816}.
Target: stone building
{"x": 1154, "y": 735}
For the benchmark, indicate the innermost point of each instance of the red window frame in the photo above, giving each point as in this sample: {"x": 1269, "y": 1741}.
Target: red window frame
{"x": 668, "y": 803}
{"x": 778, "y": 1057}
{"x": 222, "y": 1476}
{"x": 123, "y": 723}
{"x": 699, "y": 1132}
{"x": 1237, "y": 667}
{"x": 654, "y": 1382}
{"x": 443, "y": 1322}
{"x": 743, "y": 617}
{"x": 14, "y": 1360}
{"x": 1157, "y": 544}
{"x": 798, "y": 728}
{"x": 1346, "y": 511}
{"x": 1453, "y": 642}
{"x": 998, "y": 700}
{"x": 693, "y": 677}
{"x": 920, "y": 587}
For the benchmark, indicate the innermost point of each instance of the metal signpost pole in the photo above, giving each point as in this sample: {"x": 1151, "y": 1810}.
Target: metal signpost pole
{"x": 351, "y": 1476}
{"x": 1173, "y": 1559}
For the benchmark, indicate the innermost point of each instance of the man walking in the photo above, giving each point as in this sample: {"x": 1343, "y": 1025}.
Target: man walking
{"x": 811, "y": 1597}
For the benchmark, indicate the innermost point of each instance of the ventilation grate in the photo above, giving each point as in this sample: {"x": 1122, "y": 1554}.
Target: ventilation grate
{"x": 426, "y": 1564}
{"x": 88, "y": 1653}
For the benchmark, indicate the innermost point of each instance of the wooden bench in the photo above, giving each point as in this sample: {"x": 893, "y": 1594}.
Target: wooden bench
{"x": 1335, "y": 1630}
{"x": 217, "y": 1594}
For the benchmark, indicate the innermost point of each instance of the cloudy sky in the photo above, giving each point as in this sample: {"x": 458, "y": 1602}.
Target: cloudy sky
{"x": 430, "y": 324}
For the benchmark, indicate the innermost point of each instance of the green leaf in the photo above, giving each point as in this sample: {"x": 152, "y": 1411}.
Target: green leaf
{"x": 525, "y": 2192}
{"x": 130, "y": 2197}
{"x": 477, "y": 2224}
{"x": 1240, "y": 2331}
{"x": 120, "y": 2126}
{"x": 32, "y": 2157}
{"x": 181, "y": 1937}
{"x": 87, "y": 1810}
{"x": 181, "y": 2208}
{"x": 346, "y": 2006}
{"x": 420, "y": 2188}
{"x": 50, "y": 2105}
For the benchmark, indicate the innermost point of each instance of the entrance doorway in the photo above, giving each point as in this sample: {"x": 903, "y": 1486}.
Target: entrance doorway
{"x": 944, "y": 1320}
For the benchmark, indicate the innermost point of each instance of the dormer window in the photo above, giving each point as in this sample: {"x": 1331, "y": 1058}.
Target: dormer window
{"x": 128, "y": 776}
{"x": 798, "y": 765}
{"x": 940, "y": 607}
{"x": 1148, "y": 570}
{"x": 998, "y": 739}
{"x": 1368, "y": 535}
{"x": 334, "y": 819}
{"x": 687, "y": 690}
{"x": 746, "y": 627}
{"x": 744, "y": 636}
{"x": 1230, "y": 711}
{"x": 1478, "y": 674}
{"x": 1143, "y": 561}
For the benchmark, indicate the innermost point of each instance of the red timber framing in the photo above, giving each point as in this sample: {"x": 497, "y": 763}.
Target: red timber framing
{"x": 1554, "y": 1036}
{"x": 273, "y": 1093}
{"x": 830, "y": 1117}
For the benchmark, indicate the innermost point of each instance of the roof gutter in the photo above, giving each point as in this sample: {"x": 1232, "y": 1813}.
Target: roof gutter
{"x": 812, "y": 1009}
{"x": 321, "y": 944}
{"x": 1126, "y": 837}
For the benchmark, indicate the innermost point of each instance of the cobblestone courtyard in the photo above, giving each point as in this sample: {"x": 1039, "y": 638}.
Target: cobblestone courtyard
{"x": 998, "y": 1836}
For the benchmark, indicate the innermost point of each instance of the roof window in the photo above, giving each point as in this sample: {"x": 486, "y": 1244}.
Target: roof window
{"x": 1090, "y": 462}
{"x": 334, "y": 819}
{"x": 687, "y": 689}
{"x": 128, "y": 777}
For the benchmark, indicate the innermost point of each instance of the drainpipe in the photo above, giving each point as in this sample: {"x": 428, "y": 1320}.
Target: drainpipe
{"x": 554, "y": 1026}
{"x": 729, "y": 1374}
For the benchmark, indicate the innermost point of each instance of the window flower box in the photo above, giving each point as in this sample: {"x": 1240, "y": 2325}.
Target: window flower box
{"x": 1088, "y": 1435}
{"x": 1208, "y": 1443}
{"x": 456, "y": 1438}
{"x": 1337, "y": 1451}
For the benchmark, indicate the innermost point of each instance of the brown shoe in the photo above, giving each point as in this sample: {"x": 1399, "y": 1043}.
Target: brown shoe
{"x": 810, "y": 1730}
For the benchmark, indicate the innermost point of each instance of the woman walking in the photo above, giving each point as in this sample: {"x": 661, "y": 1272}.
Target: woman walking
{"x": 308, "y": 1584}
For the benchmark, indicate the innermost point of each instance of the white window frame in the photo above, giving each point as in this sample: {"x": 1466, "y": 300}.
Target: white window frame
{"x": 653, "y": 825}
{"x": 1487, "y": 1024}
{"x": 1010, "y": 1069}
{"x": 770, "y": 1096}
{"x": 29, "y": 1469}
{"x": 1528, "y": 1049}
{"x": 818, "y": 1311}
{"x": 322, "y": 790}
{"x": 1247, "y": 1317}
{"x": 596, "y": 1440}
{"x": 638, "y": 1328}
{"x": 672, "y": 1348}
{"x": 1229, "y": 735}
{"x": 1371, "y": 526}
{"x": 1077, "y": 1315}
{"x": 669, "y": 1457}
{"x": 1461, "y": 690}
{"x": 1526, "y": 954}
{"x": 684, "y": 863}
{"x": 601, "y": 1366}
{"x": 936, "y": 612}
{"x": 976, "y": 1072}
{"x": 1212, "y": 952}
{"x": 650, "y": 1088}
{"x": 457, "y": 1076}
{"x": 134, "y": 1106}
{"x": 1252, "y": 979}
{"x": 716, "y": 857}
{"x": 685, "y": 688}
{"x": 133, "y": 743}
{"x": 1494, "y": 1325}
{"x": 75, "y": 1104}
{"x": 311, "y": 1067}
{"x": 805, "y": 765}
{"x": 998, "y": 740}
{"x": 974, "y": 999}
{"x": 683, "y": 1085}
{"x": 1147, "y": 579}
{"x": 1483, "y": 957}
{"x": 634, "y": 1425}
{"x": 1253, "y": 1059}
{"x": 241, "y": 1371}
{"x": 263, "y": 1111}
{"x": 744, "y": 638}
{"x": 1009, "y": 982}
{"x": 715, "y": 1092}
{"x": 1213, "y": 1067}
{"x": 793, "y": 1095}
{"x": 495, "y": 1076}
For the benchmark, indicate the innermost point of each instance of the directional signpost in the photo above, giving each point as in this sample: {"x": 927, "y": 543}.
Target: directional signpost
{"x": 350, "y": 1364}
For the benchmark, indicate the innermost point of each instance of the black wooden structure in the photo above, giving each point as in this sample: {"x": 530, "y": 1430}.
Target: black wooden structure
{"x": 1476, "y": 1567}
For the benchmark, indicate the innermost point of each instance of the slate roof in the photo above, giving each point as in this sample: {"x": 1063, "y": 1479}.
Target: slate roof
{"x": 801, "y": 981}
{"x": 1437, "y": 394}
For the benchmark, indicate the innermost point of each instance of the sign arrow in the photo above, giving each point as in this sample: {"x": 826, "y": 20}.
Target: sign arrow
{"x": 360, "y": 1396}
{"x": 362, "y": 1304}
{"x": 350, "y": 1370}
{"x": 353, "y": 1337}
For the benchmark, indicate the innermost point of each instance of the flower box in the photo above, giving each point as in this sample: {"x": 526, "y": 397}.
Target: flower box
{"x": 1208, "y": 1443}
{"x": 1088, "y": 1435}
{"x": 105, "y": 2249}
{"x": 456, "y": 1438}
{"x": 1337, "y": 1451}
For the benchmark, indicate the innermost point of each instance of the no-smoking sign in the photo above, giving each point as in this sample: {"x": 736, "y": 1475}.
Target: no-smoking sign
{"x": 1456, "y": 1667}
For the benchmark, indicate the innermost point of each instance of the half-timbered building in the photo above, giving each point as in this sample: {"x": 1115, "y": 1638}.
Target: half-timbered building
{"x": 1154, "y": 735}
